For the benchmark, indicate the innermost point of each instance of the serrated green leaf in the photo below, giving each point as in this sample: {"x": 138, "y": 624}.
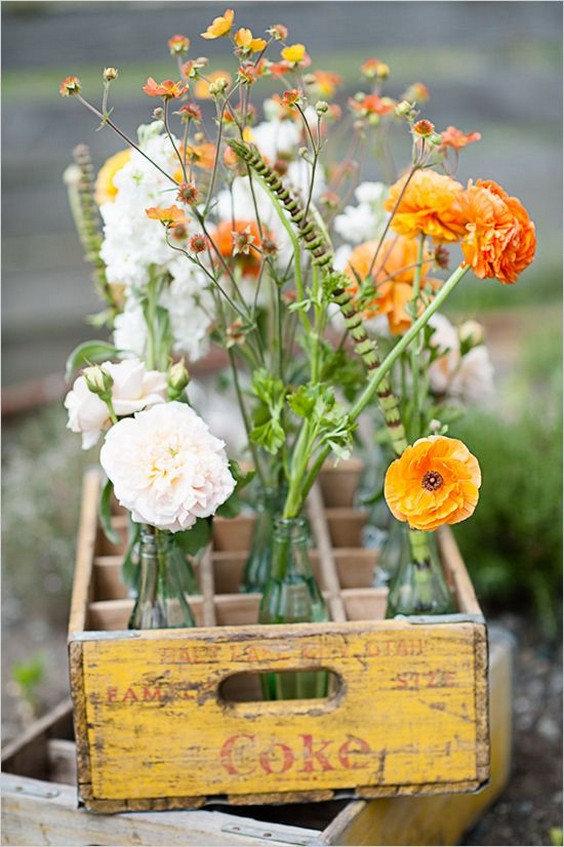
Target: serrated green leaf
{"x": 269, "y": 435}
{"x": 88, "y": 352}
{"x": 106, "y": 514}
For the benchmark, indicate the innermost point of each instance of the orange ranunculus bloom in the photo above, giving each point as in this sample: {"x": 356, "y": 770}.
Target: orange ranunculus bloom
{"x": 167, "y": 89}
{"x": 105, "y": 187}
{"x": 429, "y": 205}
{"x": 501, "y": 239}
{"x": 393, "y": 273}
{"x": 222, "y": 237}
{"x": 434, "y": 482}
{"x": 325, "y": 82}
{"x": 455, "y": 138}
{"x": 220, "y": 25}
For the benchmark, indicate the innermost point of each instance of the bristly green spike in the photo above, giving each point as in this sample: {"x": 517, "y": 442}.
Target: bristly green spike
{"x": 367, "y": 350}
{"x": 306, "y": 228}
{"x": 315, "y": 242}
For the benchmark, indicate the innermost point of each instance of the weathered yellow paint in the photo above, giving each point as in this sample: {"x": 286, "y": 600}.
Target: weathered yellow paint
{"x": 404, "y": 715}
{"x": 410, "y": 715}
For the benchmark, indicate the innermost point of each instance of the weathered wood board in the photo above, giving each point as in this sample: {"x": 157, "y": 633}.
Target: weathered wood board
{"x": 155, "y": 728}
{"x": 39, "y": 806}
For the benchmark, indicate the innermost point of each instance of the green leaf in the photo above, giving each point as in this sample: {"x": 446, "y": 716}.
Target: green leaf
{"x": 192, "y": 540}
{"x": 88, "y": 352}
{"x": 269, "y": 435}
{"x": 106, "y": 514}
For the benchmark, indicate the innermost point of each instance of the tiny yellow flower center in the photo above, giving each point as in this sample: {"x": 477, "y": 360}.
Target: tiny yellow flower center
{"x": 432, "y": 480}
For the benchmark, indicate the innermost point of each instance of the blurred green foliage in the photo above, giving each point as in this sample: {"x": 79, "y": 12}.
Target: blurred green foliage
{"x": 28, "y": 676}
{"x": 512, "y": 545}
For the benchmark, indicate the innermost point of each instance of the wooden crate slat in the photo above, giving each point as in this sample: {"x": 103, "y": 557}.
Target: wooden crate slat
{"x": 439, "y": 689}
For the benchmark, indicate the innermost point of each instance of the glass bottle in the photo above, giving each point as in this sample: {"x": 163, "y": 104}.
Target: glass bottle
{"x": 391, "y": 552}
{"x": 259, "y": 561}
{"x": 160, "y": 603}
{"x": 419, "y": 586}
{"x": 292, "y": 595}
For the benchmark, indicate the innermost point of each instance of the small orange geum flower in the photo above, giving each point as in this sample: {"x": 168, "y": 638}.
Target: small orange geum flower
{"x": 434, "y": 482}
{"x": 244, "y": 39}
{"x": 429, "y": 205}
{"x": 167, "y": 89}
{"x": 455, "y": 138}
{"x": 294, "y": 53}
{"x": 501, "y": 239}
{"x": 171, "y": 216}
{"x": 220, "y": 25}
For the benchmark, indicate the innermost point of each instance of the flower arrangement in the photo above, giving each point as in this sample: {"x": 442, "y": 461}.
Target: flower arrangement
{"x": 260, "y": 236}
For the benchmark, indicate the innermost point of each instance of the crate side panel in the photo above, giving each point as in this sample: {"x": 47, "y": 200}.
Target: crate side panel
{"x": 406, "y": 713}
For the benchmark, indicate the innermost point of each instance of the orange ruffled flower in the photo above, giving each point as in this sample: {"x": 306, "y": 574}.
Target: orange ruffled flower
{"x": 244, "y": 39}
{"x": 167, "y": 89}
{"x": 220, "y": 25}
{"x": 501, "y": 239}
{"x": 434, "y": 482}
{"x": 429, "y": 205}
{"x": 393, "y": 274}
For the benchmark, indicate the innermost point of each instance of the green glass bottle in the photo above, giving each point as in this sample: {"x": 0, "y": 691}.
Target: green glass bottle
{"x": 290, "y": 596}
{"x": 160, "y": 602}
{"x": 419, "y": 586}
{"x": 259, "y": 562}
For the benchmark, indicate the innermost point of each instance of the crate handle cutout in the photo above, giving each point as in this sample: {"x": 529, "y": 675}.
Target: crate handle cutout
{"x": 245, "y": 688}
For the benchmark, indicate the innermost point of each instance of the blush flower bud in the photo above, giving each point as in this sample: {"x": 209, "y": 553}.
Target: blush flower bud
{"x": 98, "y": 381}
{"x": 178, "y": 378}
{"x": 109, "y": 74}
{"x": 278, "y": 31}
{"x": 471, "y": 334}
{"x": 70, "y": 86}
{"x": 178, "y": 45}
{"x": 321, "y": 107}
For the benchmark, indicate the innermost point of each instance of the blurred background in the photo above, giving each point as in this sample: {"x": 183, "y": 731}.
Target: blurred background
{"x": 494, "y": 67}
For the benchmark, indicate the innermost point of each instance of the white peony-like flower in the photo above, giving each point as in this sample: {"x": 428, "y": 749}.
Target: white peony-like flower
{"x": 366, "y": 220}
{"x": 134, "y": 388}
{"x": 166, "y": 467}
{"x": 470, "y": 377}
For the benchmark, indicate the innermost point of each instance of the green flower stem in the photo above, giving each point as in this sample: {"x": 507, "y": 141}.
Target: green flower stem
{"x": 416, "y": 416}
{"x": 380, "y": 373}
{"x": 405, "y": 341}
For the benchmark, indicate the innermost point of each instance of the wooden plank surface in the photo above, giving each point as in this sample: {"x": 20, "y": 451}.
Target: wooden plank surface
{"x": 38, "y": 813}
{"x": 155, "y": 726}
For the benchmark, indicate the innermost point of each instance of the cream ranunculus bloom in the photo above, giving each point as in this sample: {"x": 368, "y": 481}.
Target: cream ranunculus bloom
{"x": 166, "y": 467}
{"x": 134, "y": 388}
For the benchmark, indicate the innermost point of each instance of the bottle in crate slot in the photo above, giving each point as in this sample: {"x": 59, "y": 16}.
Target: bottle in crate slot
{"x": 291, "y": 596}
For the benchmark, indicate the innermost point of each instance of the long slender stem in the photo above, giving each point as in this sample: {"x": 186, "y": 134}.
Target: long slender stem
{"x": 416, "y": 417}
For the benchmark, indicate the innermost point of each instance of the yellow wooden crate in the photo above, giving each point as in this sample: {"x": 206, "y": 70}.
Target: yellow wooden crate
{"x": 39, "y": 797}
{"x": 171, "y": 718}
